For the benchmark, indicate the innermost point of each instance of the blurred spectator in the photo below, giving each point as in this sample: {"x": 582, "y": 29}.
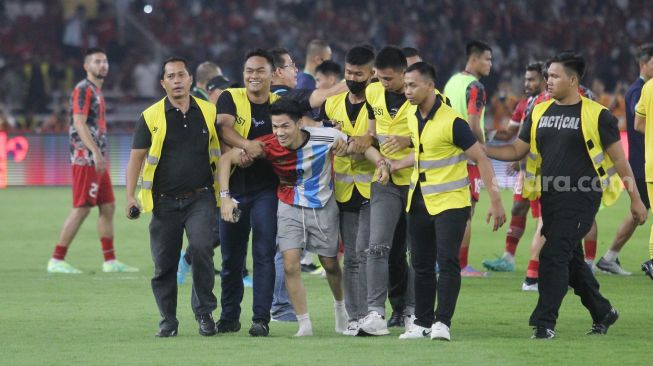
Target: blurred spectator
{"x": 502, "y": 104}
{"x": 74, "y": 30}
{"x": 146, "y": 78}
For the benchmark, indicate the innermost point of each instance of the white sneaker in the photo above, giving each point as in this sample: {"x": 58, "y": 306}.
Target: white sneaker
{"x": 415, "y": 331}
{"x": 530, "y": 288}
{"x": 440, "y": 332}
{"x": 409, "y": 320}
{"x": 374, "y": 324}
{"x": 352, "y": 328}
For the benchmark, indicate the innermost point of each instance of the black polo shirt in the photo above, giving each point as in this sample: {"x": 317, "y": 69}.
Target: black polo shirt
{"x": 184, "y": 165}
{"x": 463, "y": 138}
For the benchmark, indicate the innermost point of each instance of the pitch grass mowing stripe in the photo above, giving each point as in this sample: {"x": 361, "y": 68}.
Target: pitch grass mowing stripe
{"x": 105, "y": 319}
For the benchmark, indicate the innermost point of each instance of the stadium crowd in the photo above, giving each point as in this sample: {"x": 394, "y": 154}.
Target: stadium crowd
{"x": 42, "y": 41}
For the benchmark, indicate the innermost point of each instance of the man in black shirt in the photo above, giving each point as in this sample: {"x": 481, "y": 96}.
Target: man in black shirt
{"x": 242, "y": 117}
{"x": 178, "y": 137}
{"x": 563, "y": 133}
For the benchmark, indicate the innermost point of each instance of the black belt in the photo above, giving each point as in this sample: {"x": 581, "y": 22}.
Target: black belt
{"x": 185, "y": 195}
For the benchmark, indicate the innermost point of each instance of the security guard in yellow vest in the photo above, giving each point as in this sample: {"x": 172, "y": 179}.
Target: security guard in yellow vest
{"x": 353, "y": 178}
{"x": 574, "y": 162}
{"x": 388, "y": 273}
{"x": 438, "y": 200}
{"x": 177, "y": 142}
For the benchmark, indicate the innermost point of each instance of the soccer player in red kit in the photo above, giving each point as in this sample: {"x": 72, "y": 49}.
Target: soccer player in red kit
{"x": 91, "y": 181}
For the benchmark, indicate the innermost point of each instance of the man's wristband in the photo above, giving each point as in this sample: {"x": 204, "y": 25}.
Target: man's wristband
{"x": 224, "y": 193}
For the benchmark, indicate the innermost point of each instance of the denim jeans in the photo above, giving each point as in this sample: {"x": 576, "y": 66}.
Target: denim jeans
{"x": 259, "y": 215}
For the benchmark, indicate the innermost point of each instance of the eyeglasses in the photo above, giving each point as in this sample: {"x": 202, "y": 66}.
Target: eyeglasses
{"x": 292, "y": 64}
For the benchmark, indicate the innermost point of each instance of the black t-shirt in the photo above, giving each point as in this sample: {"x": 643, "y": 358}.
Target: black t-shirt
{"x": 259, "y": 175}
{"x": 393, "y": 102}
{"x": 566, "y": 166}
{"x": 184, "y": 165}
{"x": 301, "y": 96}
{"x": 352, "y": 112}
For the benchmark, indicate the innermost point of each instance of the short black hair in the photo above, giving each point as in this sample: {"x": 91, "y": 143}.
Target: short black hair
{"x": 571, "y": 61}
{"x": 359, "y": 56}
{"x": 172, "y": 59}
{"x": 259, "y": 52}
{"x": 410, "y": 51}
{"x": 286, "y": 105}
{"x": 328, "y": 68}
{"x": 277, "y": 57}
{"x": 94, "y": 50}
{"x": 537, "y": 66}
{"x": 424, "y": 68}
{"x": 391, "y": 57}
{"x": 645, "y": 52}
{"x": 476, "y": 47}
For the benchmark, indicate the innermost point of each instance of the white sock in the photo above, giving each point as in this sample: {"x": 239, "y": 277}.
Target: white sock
{"x": 56, "y": 260}
{"x": 610, "y": 256}
{"x": 508, "y": 257}
{"x": 341, "y": 315}
{"x": 307, "y": 258}
{"x": 305, "y": 326}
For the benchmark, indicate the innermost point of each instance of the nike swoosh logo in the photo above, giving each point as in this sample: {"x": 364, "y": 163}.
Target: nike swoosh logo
{"x": 426, "y": 333}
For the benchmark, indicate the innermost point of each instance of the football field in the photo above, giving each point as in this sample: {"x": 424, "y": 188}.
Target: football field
{"x": 110, "y": 319}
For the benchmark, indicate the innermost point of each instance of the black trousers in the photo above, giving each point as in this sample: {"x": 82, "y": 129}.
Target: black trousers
{"x": 170, "y": 218}
{"x": 567, "y": 217}
{"x": 399, "y": 272}
{"x": 434, "y": 238}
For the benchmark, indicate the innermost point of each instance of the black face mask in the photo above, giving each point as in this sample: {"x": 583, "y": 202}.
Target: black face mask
{"x": 356, "y": 87}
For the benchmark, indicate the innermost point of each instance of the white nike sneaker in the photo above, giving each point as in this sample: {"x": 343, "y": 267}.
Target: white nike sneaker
{"x": 526, "y": 287}
{"x": 439, "y": 331}
{"x": 352, "y": 328}
{"x": 415, "y": 331}
{"x": 408, "y": 321}
{"x": 374, "y": 324}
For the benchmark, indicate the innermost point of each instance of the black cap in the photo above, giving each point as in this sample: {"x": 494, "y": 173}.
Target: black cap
{"x": 218, "y": 82}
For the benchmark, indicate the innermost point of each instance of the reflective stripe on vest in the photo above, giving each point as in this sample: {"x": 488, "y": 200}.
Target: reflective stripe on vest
{"x": 432, "y": 164}
{"x": 358, "y": 178}
{"x": 442, "y": 187}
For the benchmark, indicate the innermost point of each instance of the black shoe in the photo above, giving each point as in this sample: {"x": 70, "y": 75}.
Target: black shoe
{"x": 602, "y": 326}
{"x": 396, "y": 320}
{"x": 308, "y": 268}
{"x": 647, "y": 267}
{"x": 228, "y": 326}
{"x": 207, "y": 324}
{"x": 259, "y": 329}
{"x": 165, "y": 333}
{"x": 543, "y": 333}
{"x": 216, "y": 271}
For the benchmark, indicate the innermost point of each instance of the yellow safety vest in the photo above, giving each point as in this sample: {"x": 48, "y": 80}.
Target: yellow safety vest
{"x": 155, "y": 118}
{"x": 440, "y": 165}
{"x": 387, "y": 126}
{"x": 589, "y": 121}
{"x": 243, "y": 121}
{"x": 353, "y": 170}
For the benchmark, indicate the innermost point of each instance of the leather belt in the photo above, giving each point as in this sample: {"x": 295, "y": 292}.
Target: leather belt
{"x": 185, "y": 195}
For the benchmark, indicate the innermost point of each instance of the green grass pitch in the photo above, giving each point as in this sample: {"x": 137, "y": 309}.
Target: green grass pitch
{"x": 110, "y": 319}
